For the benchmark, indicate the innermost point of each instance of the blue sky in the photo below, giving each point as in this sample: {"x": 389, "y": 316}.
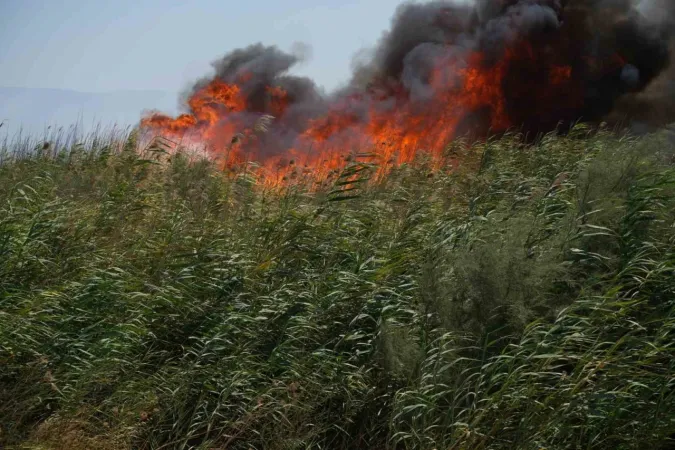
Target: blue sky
{"x": 103, "y": 46}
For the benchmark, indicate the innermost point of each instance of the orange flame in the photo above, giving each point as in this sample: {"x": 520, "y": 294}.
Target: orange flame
{"x": 394, "y": 134}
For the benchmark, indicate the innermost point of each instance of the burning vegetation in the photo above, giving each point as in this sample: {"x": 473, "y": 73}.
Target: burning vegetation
{"x": 443, "y": 70}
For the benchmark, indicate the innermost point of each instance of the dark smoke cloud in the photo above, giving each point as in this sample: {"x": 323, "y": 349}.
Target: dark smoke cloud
{"x": 655, "y": 106}
{"x": 418, "y": 26}
{"x": 584, "y": 34}
{"x": 618, "y": 53}
{"x": 257, "y": 67}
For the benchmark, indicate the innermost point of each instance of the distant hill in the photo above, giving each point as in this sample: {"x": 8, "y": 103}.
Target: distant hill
{"x": 33, "y": 109}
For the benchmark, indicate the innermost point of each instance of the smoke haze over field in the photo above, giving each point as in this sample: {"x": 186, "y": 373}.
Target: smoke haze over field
{"x": 446, "y": 68}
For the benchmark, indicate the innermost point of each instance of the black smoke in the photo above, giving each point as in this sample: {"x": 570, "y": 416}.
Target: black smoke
{"x": 616, "y": 50}
{"x": 616, "y": 56}
{"x": 257, "y": 67}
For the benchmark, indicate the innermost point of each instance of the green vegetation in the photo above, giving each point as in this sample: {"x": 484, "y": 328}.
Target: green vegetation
{"x": 522, "y": 300}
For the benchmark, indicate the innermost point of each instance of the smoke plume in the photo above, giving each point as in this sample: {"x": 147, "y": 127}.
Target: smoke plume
{"x": 442, "y": 70}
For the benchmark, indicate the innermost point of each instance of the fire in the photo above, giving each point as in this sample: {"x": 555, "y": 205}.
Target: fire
{"x": 210, "y": 104}
{"x": 170, "y": 126}
{"x": 467, "y": 93}
{"x": 278, "y": 100}
{"x": 444, "y": 69}
{"x": 217, "y": 97}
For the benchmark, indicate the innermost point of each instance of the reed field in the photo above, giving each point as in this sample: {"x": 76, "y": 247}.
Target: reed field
{"x": 521, "y": 295}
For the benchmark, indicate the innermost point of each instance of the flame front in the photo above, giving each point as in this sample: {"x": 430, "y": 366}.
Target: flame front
{"x": 444, "y": 69}
{"x": 392, "y": 125}
{"x": 527, "y": 84}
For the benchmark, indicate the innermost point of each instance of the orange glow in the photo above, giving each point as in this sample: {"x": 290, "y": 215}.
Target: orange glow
{"x": 278, "y": 100}
{"x": 560, "y": 74}
{"x": 208, "y": 104}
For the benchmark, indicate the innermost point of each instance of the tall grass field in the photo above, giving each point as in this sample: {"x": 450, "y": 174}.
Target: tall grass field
{"x": 521, "y": 296}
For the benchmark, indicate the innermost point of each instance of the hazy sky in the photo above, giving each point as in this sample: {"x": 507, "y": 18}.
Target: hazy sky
{"x": 103, "y": 45}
